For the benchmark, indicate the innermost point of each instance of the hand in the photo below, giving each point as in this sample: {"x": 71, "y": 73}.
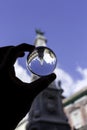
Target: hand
{"x": 16, "y": 96}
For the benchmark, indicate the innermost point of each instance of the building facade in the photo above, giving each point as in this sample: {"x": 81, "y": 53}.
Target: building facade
{"x": 75, "y": 108}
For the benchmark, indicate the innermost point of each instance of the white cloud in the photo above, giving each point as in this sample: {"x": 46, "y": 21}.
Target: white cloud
{"x": 83, "y": 72}
{"x": 66, "y": 80}
{"x": 69, "y": 85}
{"x": 21, "y": 73}
{"x": 83, "y": 82}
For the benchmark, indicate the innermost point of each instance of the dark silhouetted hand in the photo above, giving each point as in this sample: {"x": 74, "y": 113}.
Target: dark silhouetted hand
{"x": 16, "y": 97}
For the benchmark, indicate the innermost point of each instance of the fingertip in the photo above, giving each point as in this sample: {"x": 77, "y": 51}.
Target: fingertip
{"x": 25, "y": 47}
{"x": 49, "y": 78}
{"x": 52, "y": 76}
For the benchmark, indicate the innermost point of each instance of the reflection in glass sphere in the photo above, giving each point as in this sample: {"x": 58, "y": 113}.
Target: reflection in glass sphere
{"x": 42, "y": 61}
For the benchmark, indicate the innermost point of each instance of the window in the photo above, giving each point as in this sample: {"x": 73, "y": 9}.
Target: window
{"x": 86, "y": 108}
{"x": 76, "y": 118}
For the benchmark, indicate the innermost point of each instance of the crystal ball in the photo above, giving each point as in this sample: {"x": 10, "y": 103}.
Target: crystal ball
{"x": 42, "y": 61}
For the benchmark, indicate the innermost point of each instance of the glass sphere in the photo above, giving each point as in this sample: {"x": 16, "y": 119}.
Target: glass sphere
{"x": 42, "y": 61}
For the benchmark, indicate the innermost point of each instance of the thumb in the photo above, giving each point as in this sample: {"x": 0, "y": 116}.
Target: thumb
{"x": 42, "y": 83}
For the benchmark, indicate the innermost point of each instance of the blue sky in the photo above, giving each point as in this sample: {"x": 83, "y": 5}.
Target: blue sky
{"x": 65, "y": 25}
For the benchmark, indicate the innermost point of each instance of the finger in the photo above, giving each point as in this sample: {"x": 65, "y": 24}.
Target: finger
{"x": 42, "y": 83}
{"x": 20, "y": 49}
{"x": 24, "y": 47}
{"x": 16, "y": 52}
{"x": 3, "y": 51}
